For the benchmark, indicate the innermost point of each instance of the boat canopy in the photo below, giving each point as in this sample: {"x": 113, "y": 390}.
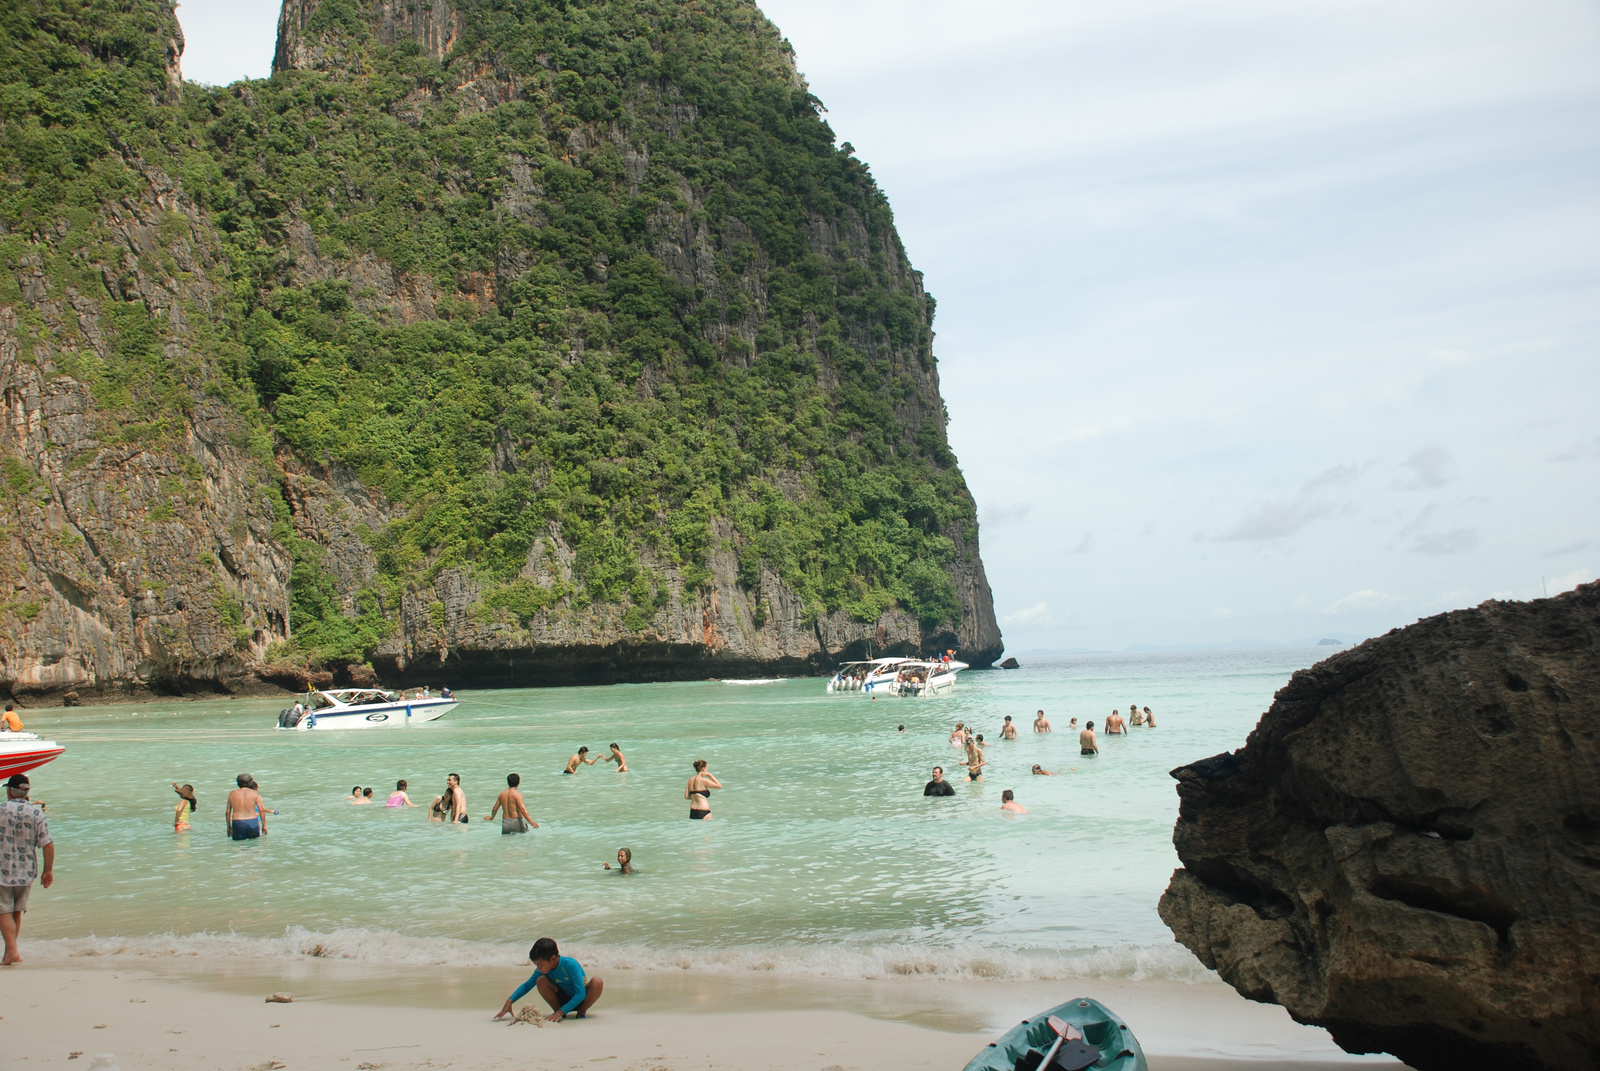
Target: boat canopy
{"x": 347, "y": 697}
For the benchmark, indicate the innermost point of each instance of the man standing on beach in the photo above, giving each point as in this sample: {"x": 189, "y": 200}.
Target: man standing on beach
{"x": 1041, "y": 724}
{"x": 1008, "y": 731}
{"x": 516, "y": 819}
{"x": 938, "y": 786}
{"x": 1086, "y": 741}
{"x": 23, "y": 828}
{"x": 245, "y": 814}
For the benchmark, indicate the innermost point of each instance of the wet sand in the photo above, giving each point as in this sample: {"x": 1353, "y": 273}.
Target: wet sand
{"x": 171, "y": 1014}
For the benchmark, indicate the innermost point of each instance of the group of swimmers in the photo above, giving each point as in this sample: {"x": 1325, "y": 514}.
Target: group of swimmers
{"x": 973, "y": 744}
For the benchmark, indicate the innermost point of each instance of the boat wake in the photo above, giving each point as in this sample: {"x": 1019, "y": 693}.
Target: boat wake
{"x": 756, "y": 680}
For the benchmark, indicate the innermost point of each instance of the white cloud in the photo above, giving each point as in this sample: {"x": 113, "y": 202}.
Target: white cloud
{"x": 1566, "y": 582}
{"x": 995, "y": 516}
{"x": 1455, "y": 541}
{"x": 1223, "y": 611}
{"x": 1430, "y": 467}
{"x": 1037, "y": 614}
{"x": 1275, "y": 520}
{"x": 1366, "y": 599}
{"x": 1580, "y": 452}
{"x": 1570, "y": 548}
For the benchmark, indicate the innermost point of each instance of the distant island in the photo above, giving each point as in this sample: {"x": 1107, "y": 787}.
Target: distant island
{"x": 463, "y": 349}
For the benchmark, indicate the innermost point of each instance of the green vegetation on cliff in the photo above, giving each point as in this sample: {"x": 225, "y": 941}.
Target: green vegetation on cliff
{"x": 635, "y": 289}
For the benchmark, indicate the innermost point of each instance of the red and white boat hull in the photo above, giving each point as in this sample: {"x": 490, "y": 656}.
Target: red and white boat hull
{"x": 21, "y": 752}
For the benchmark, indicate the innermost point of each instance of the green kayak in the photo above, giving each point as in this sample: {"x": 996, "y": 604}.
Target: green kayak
{"x": 1024, "y": 1046}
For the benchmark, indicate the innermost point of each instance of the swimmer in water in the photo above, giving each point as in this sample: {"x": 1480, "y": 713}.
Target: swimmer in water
{"x": 572, "y": 763}
{"x": 355, "y": 796}
{"x": 1086, "y": 741}
{"x": 516, "y": 818}
{"x": 1041, "y": 771}
{"x": 1115, "y": 726}
{"x": 975, "y": 761}
{"x": 186, "y": 807}
{"x": 698, "y": 791}
{"x": 1041, "y": 724}
{"x": 624, "y": 861}
{"x": 616, "y": 757}
{"x": 1008, "y": 802}
{"x": 959, "y": 735}
{"x": 1008, "y": 731}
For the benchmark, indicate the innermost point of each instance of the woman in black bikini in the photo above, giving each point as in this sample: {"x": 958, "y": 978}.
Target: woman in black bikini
{"x": 698, "y": 791}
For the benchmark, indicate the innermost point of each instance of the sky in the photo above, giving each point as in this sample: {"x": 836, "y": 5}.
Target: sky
{"x": 1256, "y": 321}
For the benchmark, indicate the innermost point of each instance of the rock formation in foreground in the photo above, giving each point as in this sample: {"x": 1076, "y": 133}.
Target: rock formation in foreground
{"x": 1407, "y": 849}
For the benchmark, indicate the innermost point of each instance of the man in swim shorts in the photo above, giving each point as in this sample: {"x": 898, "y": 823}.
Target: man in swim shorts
{"x": 516, "y": 818}
{"x": 572, "y": 763}
{"x": 245, "y": 814}
{"x": 1041, "y": 724}
{"x": 1115, "y": 725}
{"x": 938, "y": 786}
{"x": 1086, "y": 739}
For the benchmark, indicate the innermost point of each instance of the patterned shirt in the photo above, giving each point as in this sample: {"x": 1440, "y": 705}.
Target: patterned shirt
{"x": 23, "y": 829}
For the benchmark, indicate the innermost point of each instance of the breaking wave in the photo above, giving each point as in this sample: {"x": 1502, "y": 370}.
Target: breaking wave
{"x": 386, "y": 948}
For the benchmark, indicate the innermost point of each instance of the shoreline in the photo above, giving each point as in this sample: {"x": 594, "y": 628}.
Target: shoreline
{"x": 212, "y": 1013}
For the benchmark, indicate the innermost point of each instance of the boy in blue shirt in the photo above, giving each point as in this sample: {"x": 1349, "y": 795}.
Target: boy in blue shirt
{"x": 560, "y": 982}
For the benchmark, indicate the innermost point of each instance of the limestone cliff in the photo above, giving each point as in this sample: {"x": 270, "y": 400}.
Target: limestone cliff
{"x": 171, "y": 525}
{"x": 1407, "y": 848}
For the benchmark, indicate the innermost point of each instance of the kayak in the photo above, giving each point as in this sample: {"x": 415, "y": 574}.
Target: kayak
{"x": 1093, "y": 1033}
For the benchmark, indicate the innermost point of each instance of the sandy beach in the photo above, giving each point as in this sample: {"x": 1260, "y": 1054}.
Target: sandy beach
{"x": 197, "y": 1015}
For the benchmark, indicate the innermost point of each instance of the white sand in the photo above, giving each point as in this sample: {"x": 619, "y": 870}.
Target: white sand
{"x": 166, "y": 1015}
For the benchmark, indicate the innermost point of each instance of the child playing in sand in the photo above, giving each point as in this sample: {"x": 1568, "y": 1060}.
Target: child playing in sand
{"x": 560, "y": 982}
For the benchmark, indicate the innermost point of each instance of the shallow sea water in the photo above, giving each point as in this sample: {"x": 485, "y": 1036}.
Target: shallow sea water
{"x": 823, "y": 856}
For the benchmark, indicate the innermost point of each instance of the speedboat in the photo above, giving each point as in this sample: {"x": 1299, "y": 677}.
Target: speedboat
{"x": 21, "y": 752}
{"x": 362, "y": 708}
{"x": 856, "y": 676}
{"x": 882, "y": 673}
{"x": 925, "y": 678}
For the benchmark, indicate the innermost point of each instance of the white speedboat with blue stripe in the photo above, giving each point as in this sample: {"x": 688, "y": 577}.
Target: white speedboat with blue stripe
{"x": 363, "y": 708}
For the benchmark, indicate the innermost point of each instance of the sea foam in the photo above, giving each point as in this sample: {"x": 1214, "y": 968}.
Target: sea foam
{"x": 386, "y": 948}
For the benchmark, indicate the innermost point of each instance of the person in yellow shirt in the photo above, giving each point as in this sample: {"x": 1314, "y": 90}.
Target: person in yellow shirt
{"x": 9, "y": 720}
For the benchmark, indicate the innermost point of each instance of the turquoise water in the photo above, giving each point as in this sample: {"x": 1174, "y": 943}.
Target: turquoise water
{"x": 823, "y": 857}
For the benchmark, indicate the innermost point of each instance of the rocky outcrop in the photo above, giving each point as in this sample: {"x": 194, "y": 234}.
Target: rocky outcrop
{"x": 146, "y": 516}
{"x": 1407, "y": 848}
{"x": 136, "y": 546}
{"x": 313, "y": 36}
